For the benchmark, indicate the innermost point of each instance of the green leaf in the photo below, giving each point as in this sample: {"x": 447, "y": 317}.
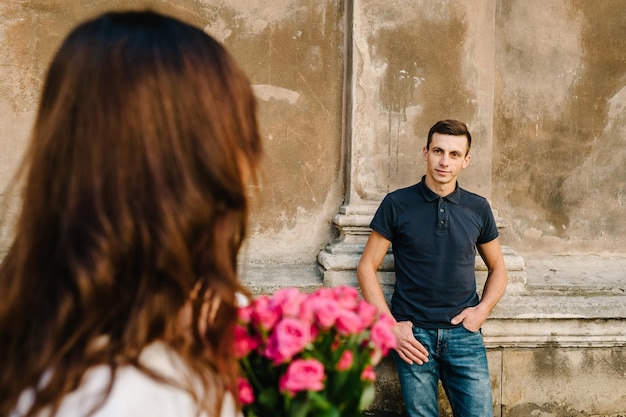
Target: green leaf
{"x": 367, "y": 397}
{"x": 299, "y": 407}
{"x": 268, "y": 397}
{"x": 337, "y": 384}
{"x": 319, "y": 401}
{"x": 331, "y": 412}
{"x": 321, "y": 407}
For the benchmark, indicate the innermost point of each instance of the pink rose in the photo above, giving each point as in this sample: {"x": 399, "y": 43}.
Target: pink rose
{"x": 346, "y": 296}
{"x": 368, "y": 374}
{"x": 349, "y": 322}
{"x": 346, "y": 360}
{"x": 314, "y": 332}
{"x": 326, "y": 311}
{"x": 367, "y": 312}
{"x": 307, "y": 311}
{"x": 382, "y": 336}
{"x": 289, "y": 337}
{"x": 244, "y": 314}
{"x": 303, "y": 375}
{"x": 325, "y": 292}
{"x": 264, "y": 314}
{"x": 245, "y": 391}
{"x": 288, "y": 301}
{"x": 387, "y": 320}
{"x": 244, "y": 343}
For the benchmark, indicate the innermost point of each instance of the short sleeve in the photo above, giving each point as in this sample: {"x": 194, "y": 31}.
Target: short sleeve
{"x": 490, "y": 229}
{"x": 384, "y": 218}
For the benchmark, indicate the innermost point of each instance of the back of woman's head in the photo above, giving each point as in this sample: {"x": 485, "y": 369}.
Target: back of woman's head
{"x": 134, "y": 196}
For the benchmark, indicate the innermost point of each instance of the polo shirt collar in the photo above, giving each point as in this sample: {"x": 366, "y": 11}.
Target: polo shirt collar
{"x": 429, "y": 195}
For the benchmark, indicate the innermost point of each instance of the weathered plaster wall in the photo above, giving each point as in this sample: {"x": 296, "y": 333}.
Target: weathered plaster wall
{"x": 541, "y": 84}
{"x": 546, "y": 381}
{"x": 415, "y": 63}
{"x": 293, "y": 54}
{"x": 559, "y": 156}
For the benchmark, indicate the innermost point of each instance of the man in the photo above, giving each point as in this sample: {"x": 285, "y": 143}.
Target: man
{"x": 435, "y": 228}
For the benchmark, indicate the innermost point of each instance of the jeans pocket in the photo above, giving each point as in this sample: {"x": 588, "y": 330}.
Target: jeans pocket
{"x": 471, "y": 331}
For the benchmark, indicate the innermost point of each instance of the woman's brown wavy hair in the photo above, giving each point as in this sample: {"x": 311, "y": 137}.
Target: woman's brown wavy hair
{"x": 134, "y": 197}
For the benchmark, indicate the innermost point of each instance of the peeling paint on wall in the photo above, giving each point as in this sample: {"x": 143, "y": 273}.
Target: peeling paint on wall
{"x": 550, "y": 376}
{"x": 559, "y": 130}
{"x": 295, "y": 65}
{"x": 267, "y": 92}
{"x": 417, "y": 64}
{"x": 540, "y": 83}
{"x": 292, "y": 53}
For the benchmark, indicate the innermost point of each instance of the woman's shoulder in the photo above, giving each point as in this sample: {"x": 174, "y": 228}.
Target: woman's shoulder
{"x": 135, "y": 393}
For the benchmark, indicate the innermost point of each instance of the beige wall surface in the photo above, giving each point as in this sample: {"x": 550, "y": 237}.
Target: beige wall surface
{"x": 415, "y": 63}
{"x": 549, "y": 381}
{"x": 560, "y": 126}
{"x": 348, "y": 89}
{"x": 292, "y": 53}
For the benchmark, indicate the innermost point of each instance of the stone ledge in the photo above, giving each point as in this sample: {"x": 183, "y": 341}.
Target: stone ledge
{"x": 573, "y": 312}
{"x": 554, "y": 332}
{"x": 563, "y": 306}
{"x": 261, "y": 279}
{"x": 576, "y": 274}
{"x": 338, "y": 263}
{"x": 346, "y": 256}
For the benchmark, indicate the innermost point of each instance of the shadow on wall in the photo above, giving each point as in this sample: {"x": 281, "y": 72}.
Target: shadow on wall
{"x": 560, "y": 119}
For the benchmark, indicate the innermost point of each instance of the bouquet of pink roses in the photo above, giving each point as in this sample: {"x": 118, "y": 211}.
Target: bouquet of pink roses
{"x": 310, "y": 354}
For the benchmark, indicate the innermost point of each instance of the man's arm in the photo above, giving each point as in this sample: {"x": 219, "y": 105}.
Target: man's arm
{"x": 474, "y": 317}
{"x": 409, "y": 349}
{"x": 373, "y": 255}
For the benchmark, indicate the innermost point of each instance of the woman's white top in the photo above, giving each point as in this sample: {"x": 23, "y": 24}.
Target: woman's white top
{"x": 134, "y": 394}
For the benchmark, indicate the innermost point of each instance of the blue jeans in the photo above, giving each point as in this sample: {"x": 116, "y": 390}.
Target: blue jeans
{"x": 456, "y": 356}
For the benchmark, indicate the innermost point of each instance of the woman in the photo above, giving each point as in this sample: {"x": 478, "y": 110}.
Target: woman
{"x": 119, "y": 286}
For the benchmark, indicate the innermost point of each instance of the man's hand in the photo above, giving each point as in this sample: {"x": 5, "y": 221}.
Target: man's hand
{"x": 472, "y": 318}
{"x": 410, "y": 350}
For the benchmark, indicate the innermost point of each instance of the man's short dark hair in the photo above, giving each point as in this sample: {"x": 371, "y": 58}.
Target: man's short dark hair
{"x": 450, "y": 127}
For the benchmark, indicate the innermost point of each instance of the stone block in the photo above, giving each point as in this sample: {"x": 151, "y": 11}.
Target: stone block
{"x": 556, "y": 381}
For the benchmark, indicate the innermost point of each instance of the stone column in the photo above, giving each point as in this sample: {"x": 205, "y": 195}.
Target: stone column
{"x": 407, "y": 67}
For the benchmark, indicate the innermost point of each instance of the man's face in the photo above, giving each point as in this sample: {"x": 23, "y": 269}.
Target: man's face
{"x": 446, "y": 158}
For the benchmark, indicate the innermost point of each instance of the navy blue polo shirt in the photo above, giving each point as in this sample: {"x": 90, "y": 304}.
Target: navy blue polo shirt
{"x": 434, "y": 245}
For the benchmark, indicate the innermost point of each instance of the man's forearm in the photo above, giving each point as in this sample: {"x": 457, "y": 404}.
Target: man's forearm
{"x": 372, "y": 290}
{"x": 494, "y": 289}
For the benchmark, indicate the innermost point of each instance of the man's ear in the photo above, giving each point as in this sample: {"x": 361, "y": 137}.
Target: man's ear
{"x": 466, "y": 160}
{"x": 425, "y": 153}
